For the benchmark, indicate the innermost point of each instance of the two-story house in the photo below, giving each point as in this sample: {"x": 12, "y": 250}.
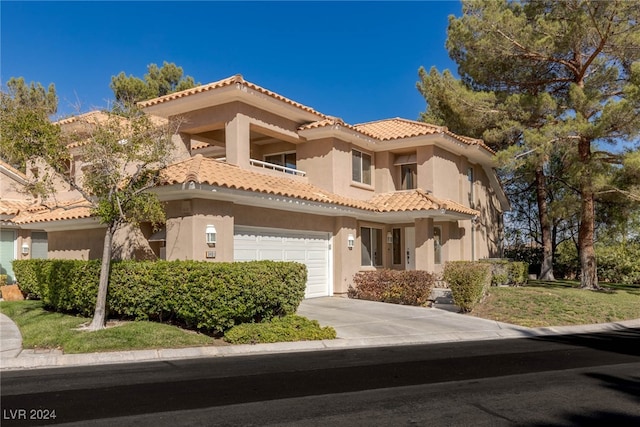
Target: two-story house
{"x": 260, "y": 176}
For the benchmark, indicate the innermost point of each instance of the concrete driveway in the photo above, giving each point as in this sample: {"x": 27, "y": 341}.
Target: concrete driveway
{"x": 376, "y": 323}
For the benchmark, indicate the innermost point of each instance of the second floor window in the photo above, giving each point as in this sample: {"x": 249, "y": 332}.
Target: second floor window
{"x": 360, "y": 167}
{"x": 471, "y": 180}
{"x": 283, "y": 159}
{"x": 409, "y": 174}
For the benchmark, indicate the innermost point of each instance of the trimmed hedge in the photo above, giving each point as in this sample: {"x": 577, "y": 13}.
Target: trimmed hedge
{"x": 393, "y": 286}
{"x": 468, "y": 282}
{"x": 505, "y": 272}
{"x": 280, "y": 329}
{"x": 207, "y": 296}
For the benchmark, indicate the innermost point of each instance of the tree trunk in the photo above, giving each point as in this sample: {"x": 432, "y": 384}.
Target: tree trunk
{"x": 586, "y": 230}
{"x": 546, "y": 271}
{"x": 99, "y": 315}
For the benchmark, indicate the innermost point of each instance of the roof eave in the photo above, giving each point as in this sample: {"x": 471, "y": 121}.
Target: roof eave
{"x": 63, "y": 225}
{"x": 233, "y": 92}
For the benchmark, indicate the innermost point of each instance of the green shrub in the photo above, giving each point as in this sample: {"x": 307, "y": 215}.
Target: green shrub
{"x": 518, "y": 273}
{"x": 566, "y": 264}
{"x": 393, "y": 286}
{"x": 532, "y": 256}
{"x": 209, "y": 296}
{"x": 3, "y": 279}
{"x": 468, "y": 282}
{"x": 505, "y": 272}
{"x": 619, "y": 262}
{"x": 26, "y": 273}
{"x": 279, "y": 329}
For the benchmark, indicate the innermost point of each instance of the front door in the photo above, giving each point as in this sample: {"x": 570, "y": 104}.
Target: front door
{"x": 7, "y": 253}
{"x": 410, "y": 248}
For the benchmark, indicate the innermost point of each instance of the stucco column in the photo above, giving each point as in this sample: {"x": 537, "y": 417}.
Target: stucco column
{"x": 384, "y": 172}
{"x": 181, "y": 147}
{"x": 424, "y": 244}
{"x": 346, "y": 262}
{"x": 237, "y": 141}
{"x": 426, "y": 168}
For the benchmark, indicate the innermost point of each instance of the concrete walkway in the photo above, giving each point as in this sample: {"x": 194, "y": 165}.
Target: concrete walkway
{"x": 357, "y": 323}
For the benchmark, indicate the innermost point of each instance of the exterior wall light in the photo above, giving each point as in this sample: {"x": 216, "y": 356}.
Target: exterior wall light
{"x": 25, "y": 249}
{"x": 389, "y": 237}
{"x": 351, "y": 241}
{"x": 211, "y": 235}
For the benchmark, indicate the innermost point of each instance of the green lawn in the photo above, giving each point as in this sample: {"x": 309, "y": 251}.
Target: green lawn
{"x": 559, "y": 303}
{"x": 44, "y": 329}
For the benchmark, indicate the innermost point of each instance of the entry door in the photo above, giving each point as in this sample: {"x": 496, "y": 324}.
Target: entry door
{"x": 410, "y": 248}
{"x": 7, "y": 253}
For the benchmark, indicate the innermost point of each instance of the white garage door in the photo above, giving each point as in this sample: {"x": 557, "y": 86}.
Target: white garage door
{"x": 310, "y": 249}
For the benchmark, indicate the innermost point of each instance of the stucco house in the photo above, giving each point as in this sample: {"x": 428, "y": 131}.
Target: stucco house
{"x": 259, "y": 176}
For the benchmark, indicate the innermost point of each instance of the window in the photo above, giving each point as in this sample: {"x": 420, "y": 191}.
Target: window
{"x": 409, "y": 175}
{"x": 397, "y": 249}
{"x": 437, "y": 245}
{"x": 283, "y": 159}
{"x": 371, "y": 239}
{"x": 361, "y": 167}
{"x": 39, "y": 245}
{"x": 471, "y": 180}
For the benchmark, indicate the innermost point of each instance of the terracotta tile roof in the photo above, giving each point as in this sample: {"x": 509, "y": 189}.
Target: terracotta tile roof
{"x": 398, "y": 128}
{"x": 203, "y": 170}
{"x": 394, "y": 129}
{"x": 76, "y": 209}
{"x": 237, "y": 79}
{"x": 13, "y": 207}
{"x": 416, "y": 200}
{"x": 82, "y": 124}
{"x": 92, "y": 116}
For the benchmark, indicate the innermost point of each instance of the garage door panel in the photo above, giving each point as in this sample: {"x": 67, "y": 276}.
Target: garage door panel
{"x": 279, "y": 245}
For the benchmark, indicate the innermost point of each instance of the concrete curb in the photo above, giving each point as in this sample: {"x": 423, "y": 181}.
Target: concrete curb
{"x": 30, "y": 359}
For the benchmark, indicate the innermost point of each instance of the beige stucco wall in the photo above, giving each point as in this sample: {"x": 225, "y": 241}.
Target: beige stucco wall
{"x": 186, "y": 225}
{"x": 76, "y": 244}
{"x": 316, "y": 159}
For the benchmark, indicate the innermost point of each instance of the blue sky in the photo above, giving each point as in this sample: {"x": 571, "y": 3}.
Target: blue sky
{"x": 355, "y": 60}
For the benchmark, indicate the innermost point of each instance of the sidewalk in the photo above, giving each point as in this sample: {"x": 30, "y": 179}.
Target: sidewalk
{"x": 358, "y": 324}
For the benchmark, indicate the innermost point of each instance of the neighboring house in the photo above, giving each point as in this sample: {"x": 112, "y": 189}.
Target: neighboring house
{"x": 15, "y": 242}
{"x": 259, "y": 176}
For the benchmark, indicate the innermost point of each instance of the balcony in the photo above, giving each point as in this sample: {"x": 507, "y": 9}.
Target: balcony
{"x": 270, "y": 166}
{"x": 274, "y": 167}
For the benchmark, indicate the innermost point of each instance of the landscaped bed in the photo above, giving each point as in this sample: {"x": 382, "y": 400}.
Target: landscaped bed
{"x": 42, "y": 329}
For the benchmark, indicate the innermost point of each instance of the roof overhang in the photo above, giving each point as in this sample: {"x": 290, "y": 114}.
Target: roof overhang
{"x": 226, "y": 94}
{"x": 291, "y": 204}
{"x": 14, "y": 174}
{"x": 63, "y": 225}
{"x": 475, "y": 153}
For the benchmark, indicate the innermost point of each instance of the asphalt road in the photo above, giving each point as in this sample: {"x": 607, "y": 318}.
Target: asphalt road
{"x": 562, "y": 380}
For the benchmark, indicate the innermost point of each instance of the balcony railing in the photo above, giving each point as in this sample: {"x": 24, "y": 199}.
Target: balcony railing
{"x": 273, "y": 166}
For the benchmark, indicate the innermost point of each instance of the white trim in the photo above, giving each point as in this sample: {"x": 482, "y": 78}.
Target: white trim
{"x": 13, "y": 175}
{"x": 65, "y": 225}
{"x": 275, "y": 167}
